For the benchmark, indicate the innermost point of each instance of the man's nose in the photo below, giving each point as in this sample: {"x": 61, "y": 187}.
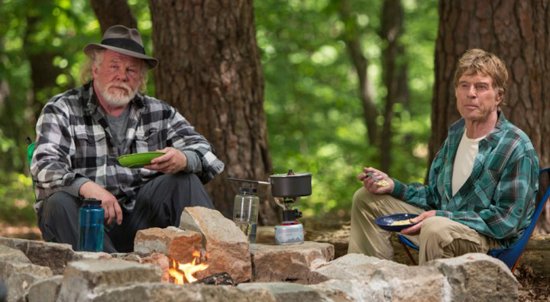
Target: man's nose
{"x": 472, "y": 91}
{"x": 122, "y": 75}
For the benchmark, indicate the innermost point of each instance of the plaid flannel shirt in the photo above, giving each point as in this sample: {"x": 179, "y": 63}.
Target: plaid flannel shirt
{"x": 498, "y": 198}
{"x": 74, "y": 141}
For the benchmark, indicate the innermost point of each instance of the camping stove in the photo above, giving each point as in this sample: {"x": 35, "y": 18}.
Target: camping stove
{"x": 286, "y": 190}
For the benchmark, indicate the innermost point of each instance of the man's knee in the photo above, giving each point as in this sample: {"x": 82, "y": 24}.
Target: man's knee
{"x": 361, "y": 199}
{"x": 181, "y": 179}
{"x": 180, "y": 189}
{"x": 434, "y": 227}
{"x": 442, "y": 232}
{"x": 58, "y": 204}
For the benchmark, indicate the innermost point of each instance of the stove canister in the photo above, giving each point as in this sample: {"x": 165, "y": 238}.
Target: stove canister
{"x": 289, "y": 234}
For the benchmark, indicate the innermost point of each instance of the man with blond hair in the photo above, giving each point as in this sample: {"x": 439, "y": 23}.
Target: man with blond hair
{"x": 482, "y": 183}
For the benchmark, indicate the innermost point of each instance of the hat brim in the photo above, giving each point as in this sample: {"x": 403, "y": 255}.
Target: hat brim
{"x": 150, "y": 61}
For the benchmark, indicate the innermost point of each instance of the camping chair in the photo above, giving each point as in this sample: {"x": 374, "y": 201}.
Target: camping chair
{"x": 510, "y": 255}
{"x": 30, "y": 150}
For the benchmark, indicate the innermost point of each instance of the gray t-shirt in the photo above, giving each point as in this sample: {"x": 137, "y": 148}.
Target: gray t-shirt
{"x": 117, "y": 125}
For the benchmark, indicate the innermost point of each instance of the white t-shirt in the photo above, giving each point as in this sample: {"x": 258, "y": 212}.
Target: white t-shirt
{"x": 464, "y": 160}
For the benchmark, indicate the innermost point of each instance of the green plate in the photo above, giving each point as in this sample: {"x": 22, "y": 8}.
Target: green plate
{"x": 137, "y": 160}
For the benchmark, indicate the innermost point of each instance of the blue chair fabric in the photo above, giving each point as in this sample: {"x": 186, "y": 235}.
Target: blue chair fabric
{"x": 510, "y": 255}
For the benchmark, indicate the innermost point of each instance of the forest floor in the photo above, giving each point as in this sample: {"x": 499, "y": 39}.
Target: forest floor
{"x": 532, "y": 288}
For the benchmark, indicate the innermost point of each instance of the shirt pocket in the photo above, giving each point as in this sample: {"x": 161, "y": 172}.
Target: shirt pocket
{"x": 149, "y": 140}
{"x": 90, "y": 146}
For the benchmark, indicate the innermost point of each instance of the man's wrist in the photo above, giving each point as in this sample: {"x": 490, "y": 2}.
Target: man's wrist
{"x": 74, "y": 188}
{"x": 193, "y": 162}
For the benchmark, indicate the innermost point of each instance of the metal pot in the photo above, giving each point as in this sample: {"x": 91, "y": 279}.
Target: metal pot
{"x": 290, "y": 185}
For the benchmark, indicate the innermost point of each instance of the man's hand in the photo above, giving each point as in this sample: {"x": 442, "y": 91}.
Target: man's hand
{"x": 415, "y": 229}
{"x": 375, "y": 181}
{"x": 109, "y": 203}
{"x": 171, "y": 162}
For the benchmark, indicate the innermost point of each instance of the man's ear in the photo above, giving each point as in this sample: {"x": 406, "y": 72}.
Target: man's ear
{"x": 94, "y": 69}
{"x": 500, "y": 96}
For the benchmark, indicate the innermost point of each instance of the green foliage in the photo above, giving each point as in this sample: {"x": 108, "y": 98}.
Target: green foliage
{"x": 315, "y": 118}
{"x": 16, "y": 199}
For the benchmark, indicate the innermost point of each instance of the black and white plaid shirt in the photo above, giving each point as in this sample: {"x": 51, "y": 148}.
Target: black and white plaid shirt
{"x": 75, "y": 142}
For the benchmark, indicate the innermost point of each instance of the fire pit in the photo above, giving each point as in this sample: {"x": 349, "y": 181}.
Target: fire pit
{"x": 38, "y": 271}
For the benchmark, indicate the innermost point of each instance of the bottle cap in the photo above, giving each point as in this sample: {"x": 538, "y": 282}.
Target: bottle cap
{"x": 247, "y": 190}
{"x": 91, "y": 201}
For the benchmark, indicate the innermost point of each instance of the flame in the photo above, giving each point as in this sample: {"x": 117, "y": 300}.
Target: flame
{"x": 183, "y": 272}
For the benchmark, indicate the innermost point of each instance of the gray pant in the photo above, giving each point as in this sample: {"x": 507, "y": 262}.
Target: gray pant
{"x": 159, "y": 203}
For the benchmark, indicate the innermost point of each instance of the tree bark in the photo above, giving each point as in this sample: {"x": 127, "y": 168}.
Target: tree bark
{"x": 113, "y": 12}
{"x": 210, "y": 70}
{"x": 518, "y": 32}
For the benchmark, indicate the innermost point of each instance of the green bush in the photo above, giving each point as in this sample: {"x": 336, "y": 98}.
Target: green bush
{"x": 16, "y": 199}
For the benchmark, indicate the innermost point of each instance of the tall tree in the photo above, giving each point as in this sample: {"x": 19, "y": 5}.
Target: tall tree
{"x": 394, "y": 73}
{"x": 352, "y": 38}
{"x": 394, "y": 76}
{"x": 518, "y": 32}
{"x": 112, "y": 12}
{"x": 210, "y": 70}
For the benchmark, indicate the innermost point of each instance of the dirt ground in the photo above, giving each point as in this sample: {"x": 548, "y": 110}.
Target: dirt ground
{"x": 532, "y": 287}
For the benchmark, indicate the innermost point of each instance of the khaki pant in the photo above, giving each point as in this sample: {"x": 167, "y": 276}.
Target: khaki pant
{"x": 440, "y": 237}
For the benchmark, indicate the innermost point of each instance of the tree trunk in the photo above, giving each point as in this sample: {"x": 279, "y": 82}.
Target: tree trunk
{"x": 394, "y": 74}
{"x": 113, "y": 12}
{"x": 210, "y": 70}
{"x": 352, "y": 38}
{"x": 518, "y": 32}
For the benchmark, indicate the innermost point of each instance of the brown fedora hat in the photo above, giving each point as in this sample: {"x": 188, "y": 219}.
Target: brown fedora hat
{"x": 124, "y": 40}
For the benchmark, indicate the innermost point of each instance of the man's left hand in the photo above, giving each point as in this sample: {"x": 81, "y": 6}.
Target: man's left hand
{"x": 415, "y": 229}
{"x": 171, "y": 162}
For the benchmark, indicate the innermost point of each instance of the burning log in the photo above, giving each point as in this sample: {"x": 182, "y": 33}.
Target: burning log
{"x": 181, "y": 273}
{"x": 218, "y": 279}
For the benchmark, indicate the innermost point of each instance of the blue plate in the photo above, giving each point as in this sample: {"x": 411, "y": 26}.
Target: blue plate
{"x": 385, "y": 222}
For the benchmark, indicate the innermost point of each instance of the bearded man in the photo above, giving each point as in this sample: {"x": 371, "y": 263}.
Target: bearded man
{"x": 82, "y": 132}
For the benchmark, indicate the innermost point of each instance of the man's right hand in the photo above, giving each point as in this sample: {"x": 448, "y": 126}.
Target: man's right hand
{"x": 376, "y": 181}
{"x": 109, "y": 203}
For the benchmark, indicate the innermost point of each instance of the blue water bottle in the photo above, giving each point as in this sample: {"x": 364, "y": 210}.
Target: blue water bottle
{"x": 91, "y": 226}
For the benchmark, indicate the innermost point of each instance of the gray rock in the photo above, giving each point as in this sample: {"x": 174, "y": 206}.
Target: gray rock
{"x": 293, "y": 263}
{"x": 287, "y": 292}
{"x": 478, "y": 277}
{"x": 384, "y": 280}
{"x": 225, "y": 243}
{"x": 50, "y": 254}
{"x": 45, "y": 290}
{"x": 189, "y": 293}
{"x": 19, "y": 276}
{"x": 84, "y": 279}
{"x": 173, "y": 242}
{"x": 12, "y": 254}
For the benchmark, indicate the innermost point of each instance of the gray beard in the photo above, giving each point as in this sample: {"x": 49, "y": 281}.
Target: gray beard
{"x": 117, "y": 100}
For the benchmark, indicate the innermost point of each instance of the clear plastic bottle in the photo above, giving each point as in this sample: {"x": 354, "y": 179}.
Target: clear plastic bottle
{"x": 91, "y": 219}
{"x": 245, "y": 212}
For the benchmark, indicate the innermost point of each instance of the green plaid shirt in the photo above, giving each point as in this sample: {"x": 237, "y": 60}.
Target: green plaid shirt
{"x": 498, "y": 198}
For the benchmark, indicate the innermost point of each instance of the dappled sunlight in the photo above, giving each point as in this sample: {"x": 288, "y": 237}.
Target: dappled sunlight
{"x": 421, "y": 151}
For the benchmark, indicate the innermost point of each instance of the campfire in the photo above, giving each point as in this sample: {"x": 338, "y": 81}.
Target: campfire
{"x": 181, "y": 273}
